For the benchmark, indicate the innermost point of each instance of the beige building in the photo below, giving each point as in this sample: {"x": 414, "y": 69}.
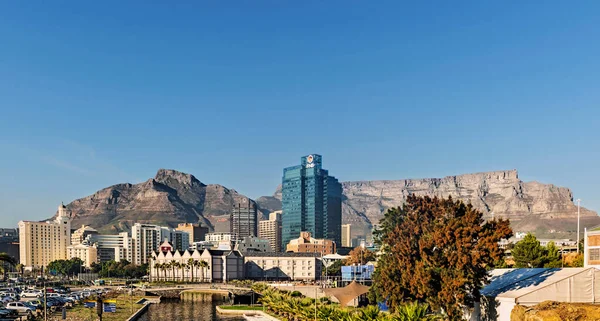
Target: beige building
{"x": 591, "y": 247}
{"x": 346, "y": 235}
{"x": 81, "y": 234}
{"x": 271, "y": 230}
{"x": 307, "y": 244}
{"x": 282, "y": 266}
{"x": 44, "y": 242}
{"x": 87, "y": 253}
{"x": 196, "y": 231}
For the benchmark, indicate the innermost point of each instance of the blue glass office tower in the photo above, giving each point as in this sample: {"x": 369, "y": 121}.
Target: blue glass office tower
{"x": 311, "y": 201}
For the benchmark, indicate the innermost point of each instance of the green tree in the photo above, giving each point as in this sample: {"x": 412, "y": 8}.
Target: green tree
{"x": 436, "y": 251}
{"x": 553, "y": 257}
{"x": 528, "y": 253}
{"x": 335, "y": 269}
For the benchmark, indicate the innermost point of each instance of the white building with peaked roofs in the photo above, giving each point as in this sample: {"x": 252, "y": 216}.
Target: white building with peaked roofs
{"x": 44, "y": 242}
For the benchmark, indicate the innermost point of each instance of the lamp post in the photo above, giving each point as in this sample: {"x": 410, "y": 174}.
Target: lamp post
{"x": 578, "y": 207}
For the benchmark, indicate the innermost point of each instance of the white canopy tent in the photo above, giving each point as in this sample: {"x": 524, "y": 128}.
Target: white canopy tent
{"x": 532, "y": 286}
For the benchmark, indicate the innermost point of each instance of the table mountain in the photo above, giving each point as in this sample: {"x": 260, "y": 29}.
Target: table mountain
{"x": 169, "y": 198}
{"x": 544, "y": 209}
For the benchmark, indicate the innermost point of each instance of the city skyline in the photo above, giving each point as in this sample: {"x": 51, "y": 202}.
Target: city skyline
{"x": 96, "y": 96}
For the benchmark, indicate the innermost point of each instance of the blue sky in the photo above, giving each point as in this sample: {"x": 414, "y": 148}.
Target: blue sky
{"x": 98, "y": 93}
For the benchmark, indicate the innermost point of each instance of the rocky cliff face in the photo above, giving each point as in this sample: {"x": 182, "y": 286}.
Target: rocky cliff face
{"x": 169, "y": 198}
{"x": 544, "y": 209}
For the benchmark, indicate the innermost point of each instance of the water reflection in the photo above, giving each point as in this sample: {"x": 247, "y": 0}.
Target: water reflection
{"x": 187, "y": 311}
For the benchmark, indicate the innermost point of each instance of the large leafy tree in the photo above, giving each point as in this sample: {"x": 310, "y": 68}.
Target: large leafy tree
{"x": 436, "y": 251}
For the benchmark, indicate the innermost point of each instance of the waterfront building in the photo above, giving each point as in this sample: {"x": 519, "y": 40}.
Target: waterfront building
{"x": 172, "y": 265}
{"x": 196, "y": 232}
{"x": 44, "y": 242}
{"x": 271, "y": 230}
{"x": 113, "y": 247}
{"x": 282, "y": 266}
{"x": 347, "y": 235}
{"x": 307, "y": 244}
{"x": 253, "y": 244}
{"x": 88, "y": 254}
{"x": 311, "y": 201}
{"x": 80, "y": 234}
{"x": 243, "y": 220}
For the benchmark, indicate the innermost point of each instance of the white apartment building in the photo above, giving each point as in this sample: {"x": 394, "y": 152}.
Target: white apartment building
{"x": 218, "y": 237}
{"x": 271, "y": 230}
{"x": 44, "y": 242}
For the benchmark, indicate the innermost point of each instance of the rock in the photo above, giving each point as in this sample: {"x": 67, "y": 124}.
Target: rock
{"x": 544, "y": 209}
{"x": 171, "y": 197}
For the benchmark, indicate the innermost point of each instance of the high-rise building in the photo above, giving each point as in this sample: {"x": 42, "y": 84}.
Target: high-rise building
{"x": 44, "y": 242}
{"x": 197, "y": 232}
{"x": 347, "y": 235}
{"x": 147, "y": 238}
{"x": 311, "y": 201}
{"x": 243, "y": 220}
{"x": 271, "y": 230}
{"x": 81, "y": 234}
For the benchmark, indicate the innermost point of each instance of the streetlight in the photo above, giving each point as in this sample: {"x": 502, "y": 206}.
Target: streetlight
{"x": 578, "y": 207}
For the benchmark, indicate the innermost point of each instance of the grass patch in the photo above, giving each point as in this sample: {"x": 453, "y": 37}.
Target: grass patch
{"x": 242, "y": 307}
{"x": 125, "y": 305}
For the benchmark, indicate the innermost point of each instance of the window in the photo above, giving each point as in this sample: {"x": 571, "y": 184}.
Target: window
{"x": 594, "y": 254}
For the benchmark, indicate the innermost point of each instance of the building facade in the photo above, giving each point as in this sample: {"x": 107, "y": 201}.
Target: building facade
{"x": 218, "y": 237}
{"x": 271, "y": 230}
{"x": 44, "y": 242}
{"x": 113, "y": 247}
{"x": 347, "y": 235}
{"x": 591, "y": 247}
{"x": 311, "y": 201}
{"x": 243, "y": 220}
{"x": 147, "y": 238}
{"x": 282, "y": 266}
{"x": 80, "y": 234}
{"x": 307, "y": 244}
{"x": 253, "y": 244}
{"x": 196, "y": 232}
{"x": 85, "y": 252}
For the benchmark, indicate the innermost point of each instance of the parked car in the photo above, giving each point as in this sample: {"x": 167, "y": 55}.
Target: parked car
{"x": 8, "y": 314}
{"x": 20, "y": 307}
{"x": 32, "y": 294}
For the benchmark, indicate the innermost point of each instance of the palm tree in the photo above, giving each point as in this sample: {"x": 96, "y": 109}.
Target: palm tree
{"x": 173, "y": 265}
{"x": 157, "y": 268}
{"x": 163, "y": 267}
{"x": 191, "y": 265}
{"x": 203, "y": 264}
{"x": 185, "y": 267}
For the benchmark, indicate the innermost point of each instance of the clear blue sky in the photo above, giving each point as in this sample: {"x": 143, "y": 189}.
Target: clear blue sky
{"x": 97, "y": 93}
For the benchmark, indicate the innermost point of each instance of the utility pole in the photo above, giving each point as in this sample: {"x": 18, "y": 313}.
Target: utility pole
{"x": 578, "y": 208}
{"x": 45, "y": 298}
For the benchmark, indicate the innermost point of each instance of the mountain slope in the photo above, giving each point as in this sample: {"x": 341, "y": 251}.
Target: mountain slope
{"x": 169, "y": 198}
{"x": 544, "y": 209}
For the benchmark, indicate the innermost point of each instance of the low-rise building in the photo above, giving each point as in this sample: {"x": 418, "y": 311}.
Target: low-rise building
{"x": 85, "y": 252}
{"x": 173, "y": 265}
{"x": 218, "y": 237}
{"x": 307, "y": 244}
{"x": 282, "y": 266}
